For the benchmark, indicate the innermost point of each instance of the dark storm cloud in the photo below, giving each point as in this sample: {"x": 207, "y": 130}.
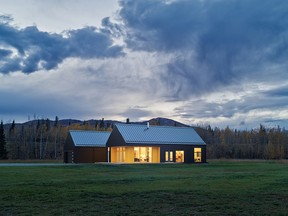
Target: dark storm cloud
{"x": 29, "y": 49}
{"x": 4, "y": 53}
{"x": 155, "y": 25}
{"x": 111, "y": 28}
{"x": 215, "y": 43}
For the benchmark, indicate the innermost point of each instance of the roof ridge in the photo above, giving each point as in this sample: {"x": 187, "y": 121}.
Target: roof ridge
{"x": 89, "y": 131}
{"x": 145, "y": 125}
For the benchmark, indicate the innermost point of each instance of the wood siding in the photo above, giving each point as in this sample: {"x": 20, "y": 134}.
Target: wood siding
{"x": 90, "y": 154}
{"x": 74, "y": 154}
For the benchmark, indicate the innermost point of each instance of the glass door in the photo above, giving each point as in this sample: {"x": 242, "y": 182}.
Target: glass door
{"x": 169, "y": 156}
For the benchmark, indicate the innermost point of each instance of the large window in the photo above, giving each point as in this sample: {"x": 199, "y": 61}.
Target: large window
{"x": 131, "y": 154}
{"x": 142, "y": 154}
{"x": 197, "y": 155}
{"x": 180, "y": 156}
{"x": 120, "y": 154}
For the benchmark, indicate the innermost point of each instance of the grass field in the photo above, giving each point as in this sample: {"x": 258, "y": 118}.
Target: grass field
{"x": 216, "y": 188}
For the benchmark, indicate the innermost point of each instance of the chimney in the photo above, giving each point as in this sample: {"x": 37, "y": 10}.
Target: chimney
{"x": 147, "y": 124}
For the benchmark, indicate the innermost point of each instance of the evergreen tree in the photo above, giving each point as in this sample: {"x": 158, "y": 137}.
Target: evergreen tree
{"x": 97, "y": 125}
{"x": 56, "y": 121}
{"x": 102, "y": 124}
{"x": 3, "y": 152}
{"x": 12, "y": 141}
{"x": 12, "y": 128}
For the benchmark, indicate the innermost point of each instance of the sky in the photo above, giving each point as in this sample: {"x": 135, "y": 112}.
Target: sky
{"x": 201, "y": 62}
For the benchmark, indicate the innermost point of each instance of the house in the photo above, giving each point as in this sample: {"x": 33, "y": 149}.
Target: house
{"x": 86, "y": 147}
{"x": 132, "y": 143}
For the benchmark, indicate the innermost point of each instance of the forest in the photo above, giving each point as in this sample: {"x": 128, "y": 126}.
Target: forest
{"x": 259, "y": 143}
{"x": 44, "y": 139}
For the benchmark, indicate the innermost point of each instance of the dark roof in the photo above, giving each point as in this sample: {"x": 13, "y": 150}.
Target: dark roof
{"x": 142, "y": 134}
{"x": 89, "y": 138}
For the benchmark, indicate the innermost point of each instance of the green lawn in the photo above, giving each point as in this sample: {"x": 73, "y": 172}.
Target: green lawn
{"x": 216, "y": 188}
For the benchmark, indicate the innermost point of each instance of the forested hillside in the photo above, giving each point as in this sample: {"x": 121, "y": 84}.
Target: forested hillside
{"x": 44, "y": 139}
{"x": 260, "y": 143}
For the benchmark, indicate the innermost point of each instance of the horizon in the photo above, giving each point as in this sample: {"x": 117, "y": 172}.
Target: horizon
{"x": 204, "y": 126}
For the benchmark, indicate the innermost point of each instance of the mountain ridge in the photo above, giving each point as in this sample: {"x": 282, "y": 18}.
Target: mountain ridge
{"x": 66, "y": 122}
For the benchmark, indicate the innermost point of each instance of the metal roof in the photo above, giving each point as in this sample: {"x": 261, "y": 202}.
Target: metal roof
{"x": 143, "y": 134}
{"x": 89, "y": 138}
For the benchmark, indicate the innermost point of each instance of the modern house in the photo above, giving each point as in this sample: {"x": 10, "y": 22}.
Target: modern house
{"x": 132, "y": 143}
{"x": 86, "y": 147}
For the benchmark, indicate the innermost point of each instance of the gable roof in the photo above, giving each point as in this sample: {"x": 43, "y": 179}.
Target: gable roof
{"x": 89, "y": 138}
{"x": 142, "y": 134}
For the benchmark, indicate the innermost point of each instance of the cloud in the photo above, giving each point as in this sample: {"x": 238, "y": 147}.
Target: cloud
{"x": 280, "y": 92}
{"x": 214, "y": 43}
{"x": 232, "y": 106}
{"x": 137, "y": 113}
{"x": 4, "y": 53}
{"x": 156, "y": 25}
{"x": 84, "y": 89}
{"x": 29, "y": 50}
{"x": 221, "y": 62}
{"x": 62, "y": 15}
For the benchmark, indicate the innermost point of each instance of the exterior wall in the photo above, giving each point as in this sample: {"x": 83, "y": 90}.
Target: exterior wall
{"x": 68, "y": 150}
{"x": 68, "y": 156}
{"x": 90, "y": 154}
{"x": 188, "y": 152}
{"x": 115, "y": 139}
{"x": 204, "y": 156}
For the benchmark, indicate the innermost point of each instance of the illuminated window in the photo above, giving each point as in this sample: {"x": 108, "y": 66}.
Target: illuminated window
{"x": 120, "y": 154}
{"x": 197, "y": 155}
{"x": 169, "y": 156}
{"x": 179, "y": 156}
{"x": 143, "y": 154}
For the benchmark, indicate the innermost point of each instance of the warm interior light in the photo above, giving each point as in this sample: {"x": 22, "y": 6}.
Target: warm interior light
{"x": 197, "y": 155}
{"x": 142, "y": 154}
{"x": 179, "y": 156}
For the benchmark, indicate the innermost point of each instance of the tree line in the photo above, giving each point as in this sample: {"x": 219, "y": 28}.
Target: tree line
{"x": 44, "y": 139}
{"x": 40, "y": 139}
{"x": 260, "y": 143}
